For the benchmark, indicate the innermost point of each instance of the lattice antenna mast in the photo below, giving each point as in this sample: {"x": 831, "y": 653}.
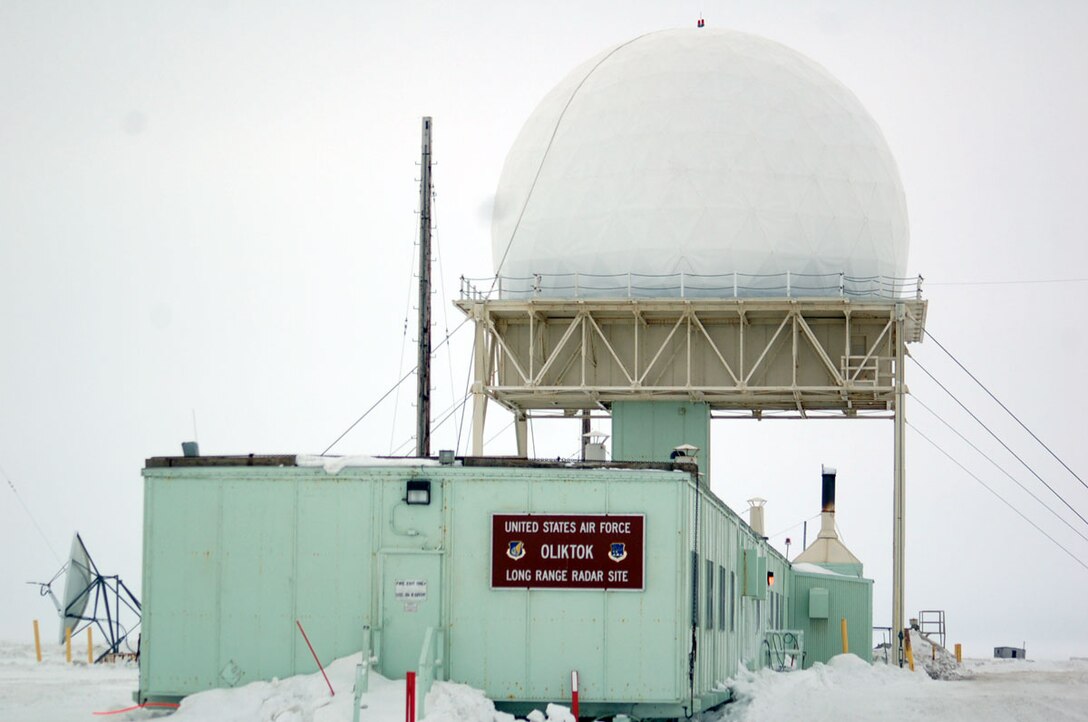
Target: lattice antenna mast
{"x": 423, "y": 373}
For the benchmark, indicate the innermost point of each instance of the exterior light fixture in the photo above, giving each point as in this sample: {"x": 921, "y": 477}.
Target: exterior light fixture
{"x": 418, "y": 492}
{"x": 770, "y": 579}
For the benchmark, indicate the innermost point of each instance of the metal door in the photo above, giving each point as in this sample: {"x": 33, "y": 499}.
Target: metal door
{"x": 411, "y": 601}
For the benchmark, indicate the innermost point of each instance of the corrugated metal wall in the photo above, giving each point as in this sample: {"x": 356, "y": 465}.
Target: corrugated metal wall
{"x": 848, "y": 597}
{"x": 232, "y": 556}
{"x": 730, "y": 624}
{"x": 651, "y": 430}
{"x": 523, "y": 644}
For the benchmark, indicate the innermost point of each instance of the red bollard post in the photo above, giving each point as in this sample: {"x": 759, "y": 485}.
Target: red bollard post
{"x": 574, "y": 693}
{"x": 410, "y": 697}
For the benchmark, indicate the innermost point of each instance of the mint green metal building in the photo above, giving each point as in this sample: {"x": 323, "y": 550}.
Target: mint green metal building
{"x": 398, "y": 557}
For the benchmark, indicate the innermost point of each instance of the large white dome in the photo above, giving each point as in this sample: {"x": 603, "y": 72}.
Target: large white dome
{"x": 699, "y": 152}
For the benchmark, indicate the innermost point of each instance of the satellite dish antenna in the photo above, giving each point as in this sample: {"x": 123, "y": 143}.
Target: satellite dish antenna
{"x": 81, "y": 573}
{"x": 84, "y": 583}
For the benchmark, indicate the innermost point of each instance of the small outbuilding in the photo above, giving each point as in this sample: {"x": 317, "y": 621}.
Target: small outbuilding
{"x": 1010, "y": 653}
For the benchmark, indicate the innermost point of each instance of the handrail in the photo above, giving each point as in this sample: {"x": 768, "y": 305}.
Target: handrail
{"x": 785, "y": 649}
{"x": 362, "y": 672}
{"x": 692, "y": 285}
{"x": 429, "y": 668}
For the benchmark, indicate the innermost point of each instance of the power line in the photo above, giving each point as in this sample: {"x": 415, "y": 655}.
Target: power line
{"x": 439, "y": 252}
{"x": 392, "y": 389}
{"x": 1006, "y": 408}
{"x": 404, "y": 334}
{"x": 1003, "y": 500}
{"x": 443, "y": 418}
{"x": 1005, "y": 283}
{"x": 373, "y": 406}
{"x": 32, "y": 519}
{"x": 998, "y": 439}
{"x": 789, "y": 528}
{"x": 499, "y": 433}
{"x": 1000, "y": 468}
{"x": 532, "y": 434}
{"x": 468, "y": 382}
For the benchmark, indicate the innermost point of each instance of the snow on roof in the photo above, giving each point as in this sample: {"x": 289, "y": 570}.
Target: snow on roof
{"x": 335, "y": 464}
{"x": 807, "y": 568}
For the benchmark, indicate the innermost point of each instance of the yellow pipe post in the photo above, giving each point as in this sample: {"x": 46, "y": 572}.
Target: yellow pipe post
{"x": 68, "y": 644}
{"x": 90, "y": 646}
{"x": 37, "y": 641}
{"x": 959, "y": 653}
{"x": 907, "y": 648}
{"x": 845, "y": 638}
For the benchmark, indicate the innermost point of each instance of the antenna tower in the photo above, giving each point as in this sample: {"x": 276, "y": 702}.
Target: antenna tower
{"x": 423, "y": 372}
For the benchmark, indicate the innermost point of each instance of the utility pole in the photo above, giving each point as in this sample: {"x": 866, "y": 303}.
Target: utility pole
{"x": 423, "y": 368}
{"x": 899, "y": 501}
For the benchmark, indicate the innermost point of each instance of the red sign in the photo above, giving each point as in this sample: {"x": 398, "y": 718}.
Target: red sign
{"x": 567, "y": 551}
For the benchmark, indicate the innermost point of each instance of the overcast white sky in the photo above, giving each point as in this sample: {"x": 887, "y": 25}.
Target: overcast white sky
{"x": 209, "y": 207}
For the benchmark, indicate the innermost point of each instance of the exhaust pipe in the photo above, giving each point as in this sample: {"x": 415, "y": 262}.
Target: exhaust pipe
{"x": 828, "y": 497}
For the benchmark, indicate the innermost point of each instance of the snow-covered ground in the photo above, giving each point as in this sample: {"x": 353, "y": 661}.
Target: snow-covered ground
{"x": 846, "y": 689}
{"x": 56, "y": 691}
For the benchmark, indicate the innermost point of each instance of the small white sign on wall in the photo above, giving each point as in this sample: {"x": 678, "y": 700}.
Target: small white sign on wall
{"x": 410, "y": 590}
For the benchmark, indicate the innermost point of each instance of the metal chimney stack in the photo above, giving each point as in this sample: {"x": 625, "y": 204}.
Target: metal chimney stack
{"x": 828, "y": 550}
{"x": 828, "y": 496}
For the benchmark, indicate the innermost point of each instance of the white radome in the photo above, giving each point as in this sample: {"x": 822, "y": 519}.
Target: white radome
{"x": 700, "y": 152}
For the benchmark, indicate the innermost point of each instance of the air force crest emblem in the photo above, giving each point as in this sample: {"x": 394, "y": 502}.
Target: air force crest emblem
{"x": 515, "y": 550}
{"x": 617, "y": 551}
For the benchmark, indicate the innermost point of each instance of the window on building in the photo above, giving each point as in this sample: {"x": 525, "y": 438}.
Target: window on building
{"x": 721, "y": 597}
{"x": 695, "y": 589}
{"x": 732, "y": 601}
{"x": 709, "y": 594}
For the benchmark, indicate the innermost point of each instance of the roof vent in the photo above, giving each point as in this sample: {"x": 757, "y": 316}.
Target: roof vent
{"x": 755, "y": 516}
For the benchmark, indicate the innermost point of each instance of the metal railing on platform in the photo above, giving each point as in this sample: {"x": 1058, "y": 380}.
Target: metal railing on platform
{"x": 691, "y": 285}
{"x": 931, "y": 623}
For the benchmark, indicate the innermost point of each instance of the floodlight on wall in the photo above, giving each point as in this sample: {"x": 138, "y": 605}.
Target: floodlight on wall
{"x": 418, "y": 492}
